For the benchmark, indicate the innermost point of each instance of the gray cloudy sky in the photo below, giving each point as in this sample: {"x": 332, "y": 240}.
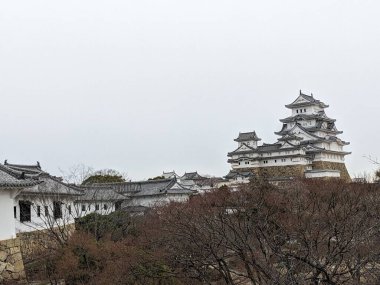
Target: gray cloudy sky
{"x": 145, "y": 86}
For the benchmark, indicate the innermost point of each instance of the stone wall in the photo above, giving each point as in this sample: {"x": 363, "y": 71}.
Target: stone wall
{"x": 32, "y": 243}
{"x": 298, "y": 171}
{"x": 278, "y": 171}
{"x": 334, "y": 166}
{"x": 11, "y": 262}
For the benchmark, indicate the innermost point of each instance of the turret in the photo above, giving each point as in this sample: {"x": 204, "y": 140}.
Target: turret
{"x": 250, "y": 139}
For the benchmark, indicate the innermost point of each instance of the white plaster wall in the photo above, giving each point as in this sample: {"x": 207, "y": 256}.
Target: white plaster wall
{"x": 322, "y": 174}
{"x": 294, "y": 111}
{"x": 151, "y": 201}
{"x": 7, "y": 223}
{"x": 273, "y": 162}
{"x": 44, "y": 222}
{"x": 90, "y": 207}
{"x": 249, "y": 143}
{"x": 329, "y": 157}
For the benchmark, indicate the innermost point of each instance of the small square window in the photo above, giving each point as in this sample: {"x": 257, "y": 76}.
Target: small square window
{"x": 83, "y": 208}
{"x": 105, "y": 207}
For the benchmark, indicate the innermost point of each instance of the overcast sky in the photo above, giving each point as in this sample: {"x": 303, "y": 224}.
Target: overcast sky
{"x": 146, "y": 86}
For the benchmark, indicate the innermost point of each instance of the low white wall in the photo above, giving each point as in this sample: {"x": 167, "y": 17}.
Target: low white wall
{"x": 151, "y": 201}
{"x": 43, "y": 221}
{"x": 7, "y": 223}
{"x": 322, "y": 174}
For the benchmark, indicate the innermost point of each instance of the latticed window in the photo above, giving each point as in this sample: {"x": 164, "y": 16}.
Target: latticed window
{"x": 25, "y": 211}
{"x": 57, "y": 209}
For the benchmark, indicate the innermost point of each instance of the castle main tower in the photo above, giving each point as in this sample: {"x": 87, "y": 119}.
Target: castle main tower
{"x": 308, "y": 146}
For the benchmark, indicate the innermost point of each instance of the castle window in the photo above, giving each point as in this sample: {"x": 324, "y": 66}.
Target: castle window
{"x": 38, "y": 211}
{"x": 15, "y": 212}
{"x": 83, "y": 208}
{"x": 25, "y": 211}
{"x": 57, "y": 209}
{"x": 275, "y": 160}
{"x": 297, "y": 111}
{"x": 46, "y": 211}
{"x": 97, "y": 207}
{"x": 304, "y": 110}
{"x": 105, "y": 207}
{"x": 69, "y": 209}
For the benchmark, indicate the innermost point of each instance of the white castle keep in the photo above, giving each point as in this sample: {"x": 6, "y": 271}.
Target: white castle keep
{"x": 308, "y": 146}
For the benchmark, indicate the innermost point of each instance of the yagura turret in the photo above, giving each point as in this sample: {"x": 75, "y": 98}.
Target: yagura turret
{"x": 308, "y": 146}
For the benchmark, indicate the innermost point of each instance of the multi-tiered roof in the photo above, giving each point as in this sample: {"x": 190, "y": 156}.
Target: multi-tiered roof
{"x": 310, "y": 120}
{"x": 308, "y": 134}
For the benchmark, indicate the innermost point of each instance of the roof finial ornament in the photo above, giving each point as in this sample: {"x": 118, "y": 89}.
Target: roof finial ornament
{"x": 300, "y": 92}
{"x": 311, "y": 94}
{"x": 6, "y": 162}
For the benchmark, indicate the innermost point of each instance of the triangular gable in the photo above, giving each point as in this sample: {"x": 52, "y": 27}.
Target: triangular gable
{"x": 300, "y": 99}
{"x": 287, "y": 145}
{"x": 301, "y": 132}
{"x": 243, "y": 147}
{"x": 176, "y": 185}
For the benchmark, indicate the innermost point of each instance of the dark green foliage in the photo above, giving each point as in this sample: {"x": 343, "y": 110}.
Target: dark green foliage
{"x": 157, "y": 178}
{"x": 116, "y": 225}
{"x": 104, "y": 176}
{"x": 98, "y": 178}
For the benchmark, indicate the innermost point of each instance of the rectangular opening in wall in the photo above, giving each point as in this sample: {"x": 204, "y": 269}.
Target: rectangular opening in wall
{"x": 25, "y": 211}
{"x": 38, "y": 211}
{"x": 15, "y": 212}
{"x": 83, "y": 208}
{"x": 46, "y": 211}
{"x": 97, "y": 207}
{"x": 69, "y": 209}
{"x": 57, "y": 209}
{"x": 118, "y": 205}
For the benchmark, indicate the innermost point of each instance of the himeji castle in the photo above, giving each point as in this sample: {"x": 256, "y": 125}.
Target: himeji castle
{"x": 308, "y": 146}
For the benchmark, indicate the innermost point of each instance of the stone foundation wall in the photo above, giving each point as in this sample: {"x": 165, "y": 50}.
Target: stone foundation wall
{"x": 11, "y": 263}
{"x": 36, "y": 243}
{"x": 334, "y": 166}
{"x": 278, "y": 171}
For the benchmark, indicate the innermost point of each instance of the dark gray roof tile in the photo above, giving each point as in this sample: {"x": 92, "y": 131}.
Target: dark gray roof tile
{"x": 247, "y": 137}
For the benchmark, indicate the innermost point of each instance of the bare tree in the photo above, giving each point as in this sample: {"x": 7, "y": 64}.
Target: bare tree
{"x": 309, "y": 232}
{"x": 76, "y": 174}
